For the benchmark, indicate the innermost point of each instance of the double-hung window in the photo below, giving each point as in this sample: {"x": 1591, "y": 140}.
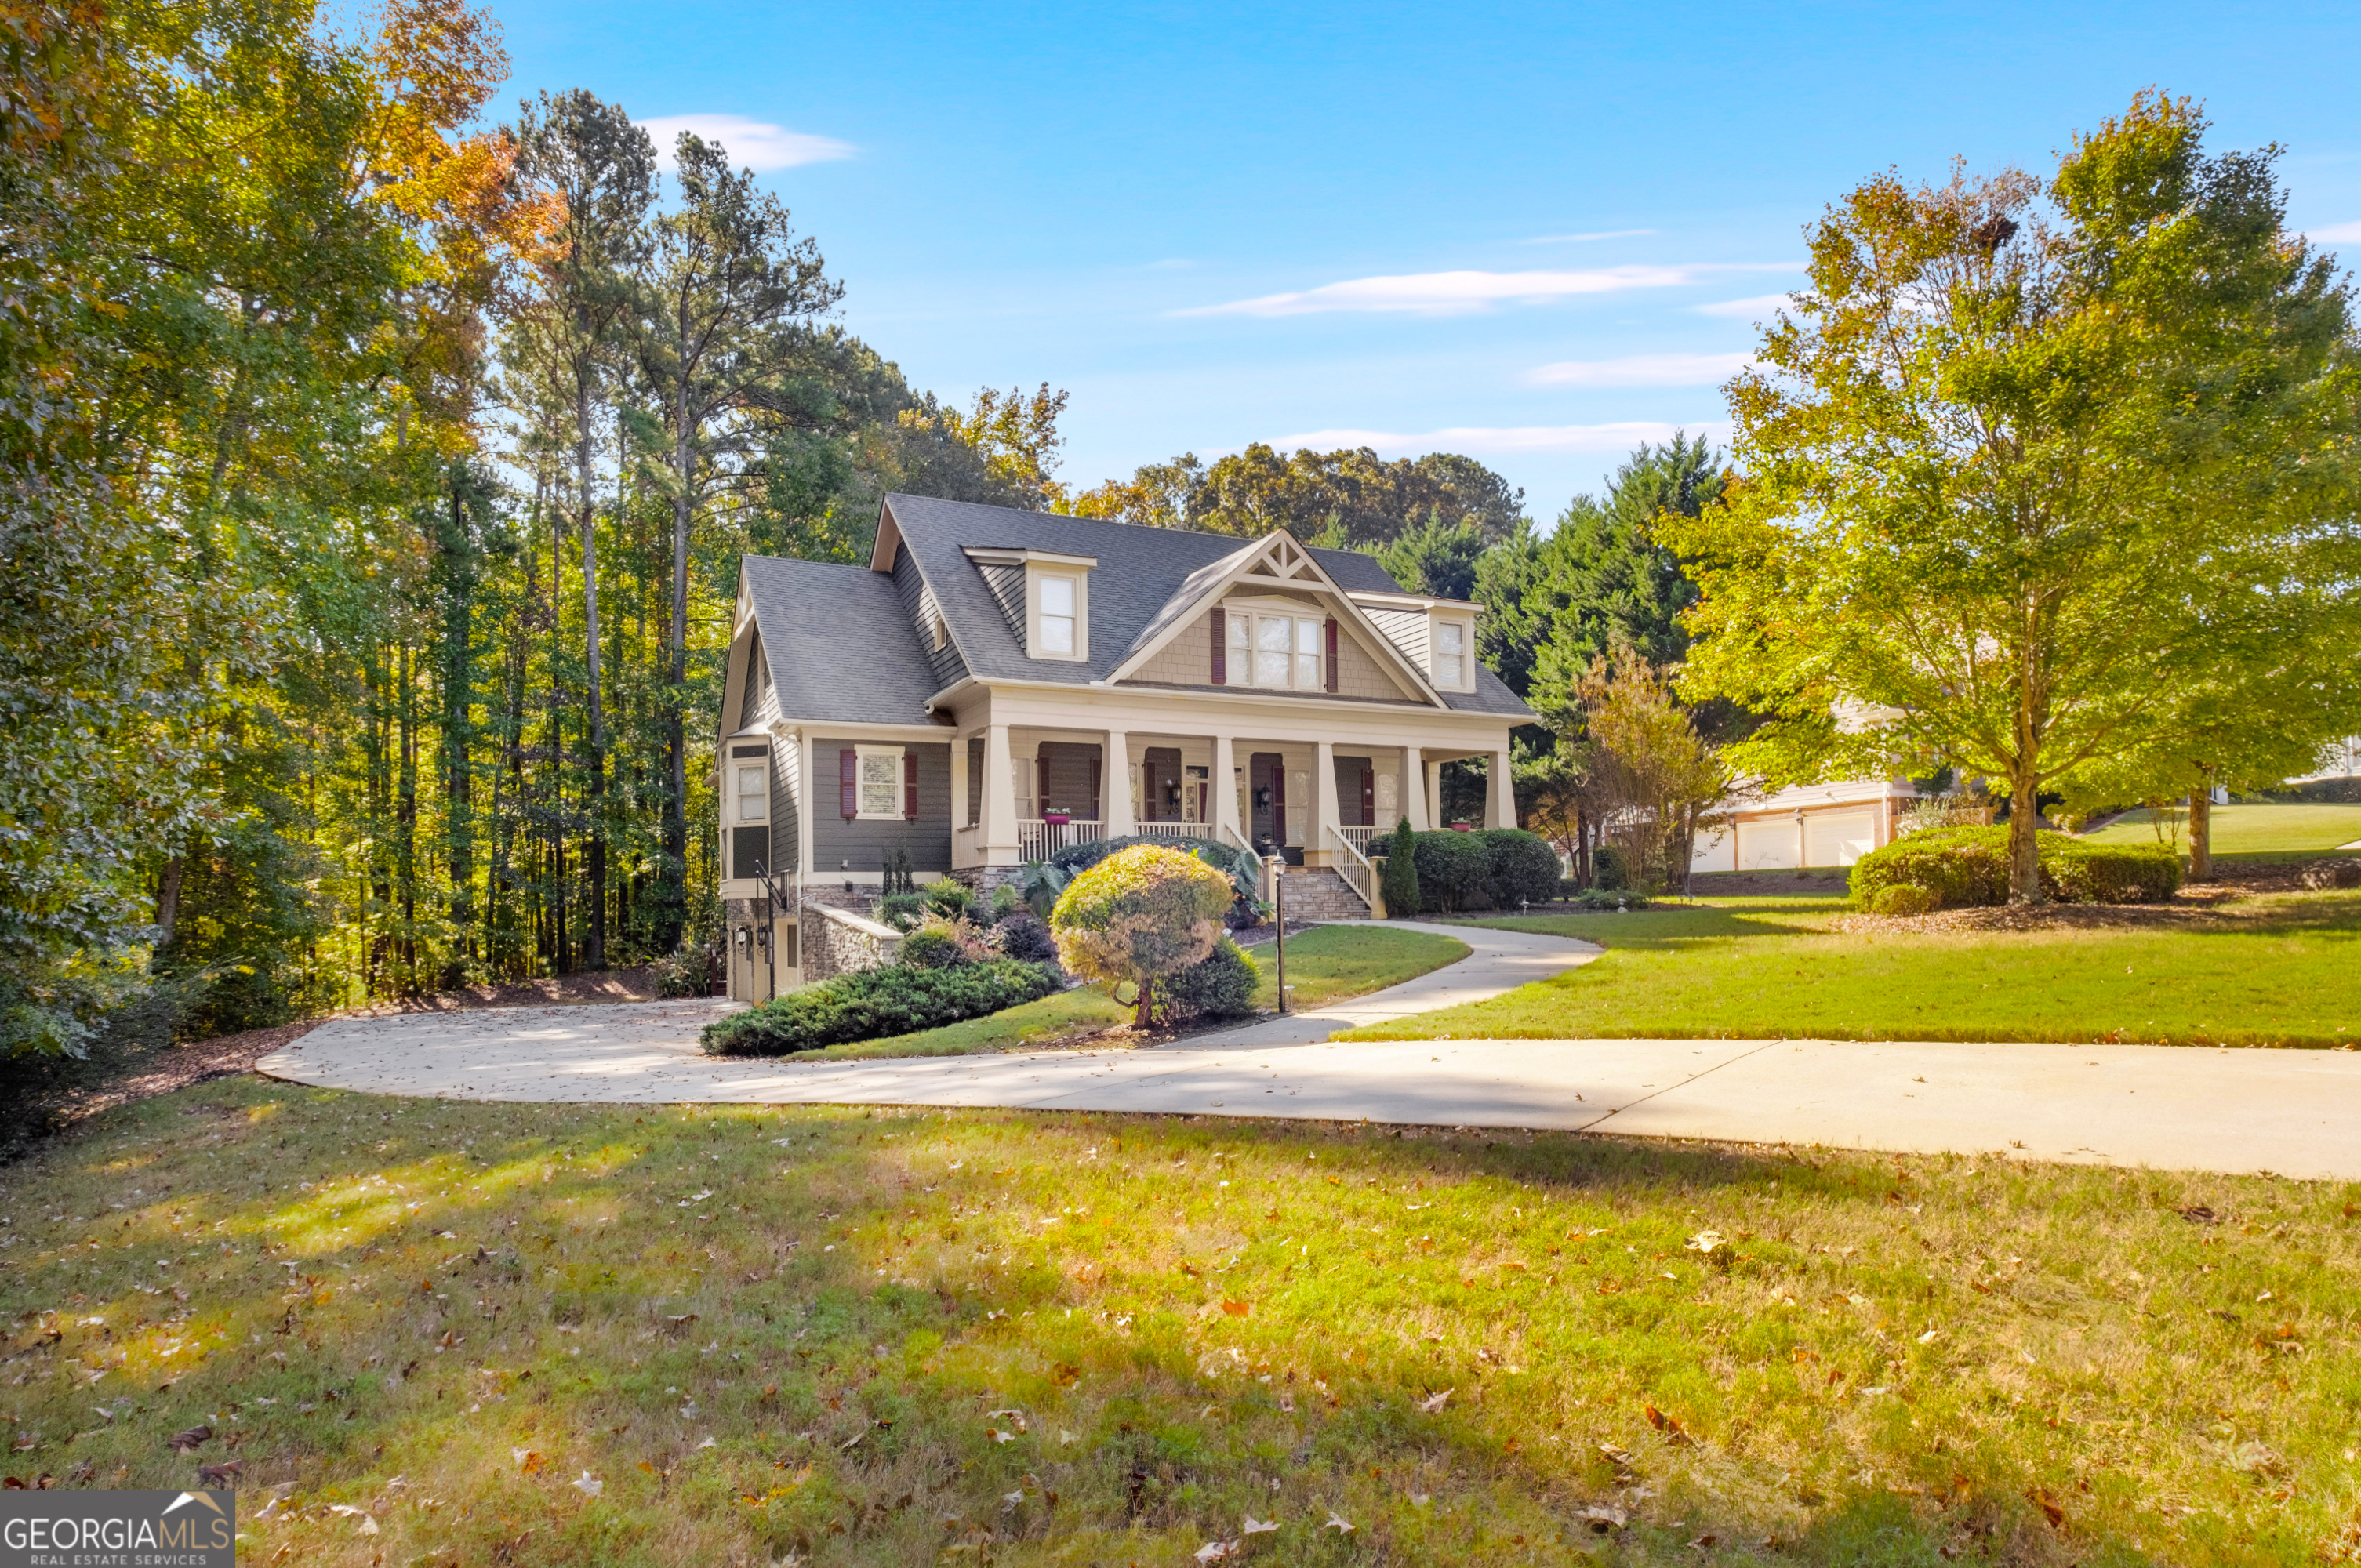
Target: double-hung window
{"x": 1451, "y": 655}
{"x": 880, "y": 781}
{"x": 754, "y": 792}
{"x": 1058, "y": 618}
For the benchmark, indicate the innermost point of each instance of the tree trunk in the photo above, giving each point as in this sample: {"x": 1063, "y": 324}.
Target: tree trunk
{"x": 168, "y": 899}
{"x": 673, "y": 899}
{"x": 458, "y": 680}
{"x": 2024, "y": 848}
{"x": 2200, "y": 834}
{"x": 594, "y": 947}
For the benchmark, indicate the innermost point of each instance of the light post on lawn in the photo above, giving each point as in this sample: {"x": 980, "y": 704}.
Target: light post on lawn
{"x": 1279, "y": 918}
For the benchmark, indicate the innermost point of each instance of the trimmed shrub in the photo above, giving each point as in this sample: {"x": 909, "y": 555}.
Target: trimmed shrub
{"x": 1141, "y": 915}
{"x": 2076, "y": 870}
{"x": 1605, "y": 898}
{"x": 1022, "y": 935}
{"x": 1968, "y": 868}
{"x": 1902, "y": 898}
{"x": 1523, "y": 866}
{"x": 933, "y": 946}
{"x": 1398, "y": 878}
{"x": 1244, "y": 869}
{"x": 1608, "y": 870}
{"x": 870, "y": 1004}
{"x": 1220, "y": 987}
{"x": 1455, "y": 871}
{"x": 902, "y": 911}
{"x": 951, "y": 900}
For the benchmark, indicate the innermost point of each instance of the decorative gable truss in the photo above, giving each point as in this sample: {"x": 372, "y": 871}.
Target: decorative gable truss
{"x": 1278, "y": 563}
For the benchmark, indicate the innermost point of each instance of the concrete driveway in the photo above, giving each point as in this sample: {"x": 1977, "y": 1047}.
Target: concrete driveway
{"x": 2295, "y": 1112}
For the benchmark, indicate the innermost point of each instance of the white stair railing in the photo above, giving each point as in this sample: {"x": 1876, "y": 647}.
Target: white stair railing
{"x": 1359, "y": 839}
{"x": 1355, "y": 868}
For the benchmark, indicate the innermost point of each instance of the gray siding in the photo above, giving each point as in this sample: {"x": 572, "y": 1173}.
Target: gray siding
{"x": 1007, "y": 585}
{"x": 754, "y": 699}
{"x": 868, "y": 844}
{"x": 946, "y": 663}
{"x": 787, "y": 830}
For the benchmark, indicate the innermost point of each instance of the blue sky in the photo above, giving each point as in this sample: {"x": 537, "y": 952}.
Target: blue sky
{"x": 1530, "y": 234}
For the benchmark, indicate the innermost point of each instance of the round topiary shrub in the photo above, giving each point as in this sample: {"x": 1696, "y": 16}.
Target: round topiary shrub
{"x": 1455, "y": 871}
{"x": 1902, "y": 898}
{"x": 1521, "y": 866}
{"x": 1220, "y": 987}
{"x": 1142, "y": 914}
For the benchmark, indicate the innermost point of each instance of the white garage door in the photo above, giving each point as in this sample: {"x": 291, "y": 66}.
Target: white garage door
{"x": 1715, "y": 851}
{"x": 1839, "y": 840}
{"x": 1768, "y": 845}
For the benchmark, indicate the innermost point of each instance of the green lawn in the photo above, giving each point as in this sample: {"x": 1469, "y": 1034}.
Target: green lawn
{"x": 2253, "y": 830}
{"x": 1058, "y": 1019}
{"x": 543, "y": 1335}
{"x": 1332, "y": 963}
{"x": 2284, "y": 974}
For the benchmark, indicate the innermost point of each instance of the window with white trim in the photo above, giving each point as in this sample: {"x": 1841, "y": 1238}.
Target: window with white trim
{"x": 754, "y": 792}
{"x": 880, "y": 781}
{"x": 1058, "y": 608}
{"x": 1453, "y": 665}
{"x": 1279, "y": 652}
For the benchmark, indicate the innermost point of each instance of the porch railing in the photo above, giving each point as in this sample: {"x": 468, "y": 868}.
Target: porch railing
{"x": 1174, "y": 829}
{"x": 1355, "y": 867}
{"x": 1037, "y": 840}
{"x": 1359, "y": 837}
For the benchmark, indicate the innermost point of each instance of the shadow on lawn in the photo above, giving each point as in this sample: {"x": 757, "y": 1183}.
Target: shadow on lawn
{"x": 1667, "y": 927}
{"x": 865, "y": 1336}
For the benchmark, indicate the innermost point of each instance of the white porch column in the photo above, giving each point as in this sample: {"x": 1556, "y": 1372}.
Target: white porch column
{"x": 1433, "y": 777}
{"x": 1114, "y": 786}
{"x": 999, "y": 798}
{"x": 1500, "y": 793}
{"x": 958, "y": 790}
{"x": 1324, "y": 812}
{"x": 1226, "y": 793}
{"x": 1415, "y": 803}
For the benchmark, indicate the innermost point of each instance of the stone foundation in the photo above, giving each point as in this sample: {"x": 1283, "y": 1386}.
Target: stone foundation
{"x": 837, "y": 941}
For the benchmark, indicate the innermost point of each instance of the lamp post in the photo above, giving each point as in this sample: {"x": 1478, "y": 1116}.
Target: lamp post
{"x": 1279, "y": 915}
{"x": 767, "y": 935}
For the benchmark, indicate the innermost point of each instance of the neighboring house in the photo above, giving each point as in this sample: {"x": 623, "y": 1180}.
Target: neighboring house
{"x": 996, "y": 685}
{"x": 1818, "y": 825}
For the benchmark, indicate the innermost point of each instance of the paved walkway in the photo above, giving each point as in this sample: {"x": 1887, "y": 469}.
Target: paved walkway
{"x": 2296, "y": 1113}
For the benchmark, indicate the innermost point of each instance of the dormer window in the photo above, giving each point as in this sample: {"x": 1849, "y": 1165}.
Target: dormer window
{"x": 1453, "y": 666}
{"x": 1279, "y": 652}
{"x": 1057, "y": 616}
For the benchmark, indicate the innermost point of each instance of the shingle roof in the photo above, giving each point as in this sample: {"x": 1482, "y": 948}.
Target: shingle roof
{"x": 841, "y": 645}
{"x": 840, "y": 642}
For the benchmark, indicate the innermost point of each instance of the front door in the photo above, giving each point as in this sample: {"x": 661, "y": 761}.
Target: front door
{"x": 1267, "y": 793}
{"x": 1160, "y": 777}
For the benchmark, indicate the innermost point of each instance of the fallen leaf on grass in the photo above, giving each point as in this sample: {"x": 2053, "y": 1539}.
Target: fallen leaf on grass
{"x": 187, "y": 1440}
{"x": 1236, "y": 1309}
{"x": 1604, "y": 1517}
{"x": 1216, "y": 1551}
{"x": 528, "y": 1460}
{"x": 1338, "y": 1521}
{"x": 588, "y": 1484}
{"x": 223, "y": 1474}
{"x": 1433, "y": 1402}
{"x": 1706, "y": 1240}
{"x": 1257, "y": 1527}
{"x": 1674, "y": 1434}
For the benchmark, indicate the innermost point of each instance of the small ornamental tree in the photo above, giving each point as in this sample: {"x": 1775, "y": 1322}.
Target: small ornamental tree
{"x": 1140, "y": 914}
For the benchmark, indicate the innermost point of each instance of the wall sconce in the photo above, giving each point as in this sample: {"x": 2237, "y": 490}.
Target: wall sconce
{"x": 745, "y": 938}
{"x": 1262, "y": 795}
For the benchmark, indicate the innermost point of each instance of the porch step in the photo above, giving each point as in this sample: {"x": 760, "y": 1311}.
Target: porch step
{"x": 1321, "y": 894}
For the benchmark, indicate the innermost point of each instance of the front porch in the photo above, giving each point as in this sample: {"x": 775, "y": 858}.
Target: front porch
{"x": 1022, "y": 791}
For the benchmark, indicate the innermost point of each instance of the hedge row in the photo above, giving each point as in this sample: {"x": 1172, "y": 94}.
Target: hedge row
{"x": 1966, "y": 867}
{"x": 1494, "y": 868}
{"x": 870, "y": 1004}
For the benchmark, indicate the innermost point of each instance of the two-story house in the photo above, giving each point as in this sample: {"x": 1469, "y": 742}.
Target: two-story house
{"x": 995, "y": 685}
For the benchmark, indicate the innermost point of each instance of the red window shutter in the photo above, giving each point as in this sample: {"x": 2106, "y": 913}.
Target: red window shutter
{"x": 848, "y": 777}
{"x": 1331, "y": 652}
{"x": 910, "y": 785}
{"x": 1098, "y": 777}
{"x": 1220, "y": 650}
{"x": 1368, "y": 797}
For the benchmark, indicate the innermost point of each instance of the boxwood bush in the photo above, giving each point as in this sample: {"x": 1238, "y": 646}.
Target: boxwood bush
{"x": 1492, "y": 868}
{"x": 1220, "y": 987}
{"x": 1523, "y": 866}
{"x": 1967, "y": 867}
{"x": 869, "y": 1004}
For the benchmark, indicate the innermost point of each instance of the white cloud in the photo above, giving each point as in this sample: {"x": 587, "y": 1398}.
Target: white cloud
{"x": 1619, "y": 436}
{"x": 1643, "y": 370}
{"x": 1584, "y": 238}
{"x": 1460, "y": 294}
{"x": 752, "y": 143}
{"x": 1759, "y": 305}
{"x": 2334, "y": 232}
